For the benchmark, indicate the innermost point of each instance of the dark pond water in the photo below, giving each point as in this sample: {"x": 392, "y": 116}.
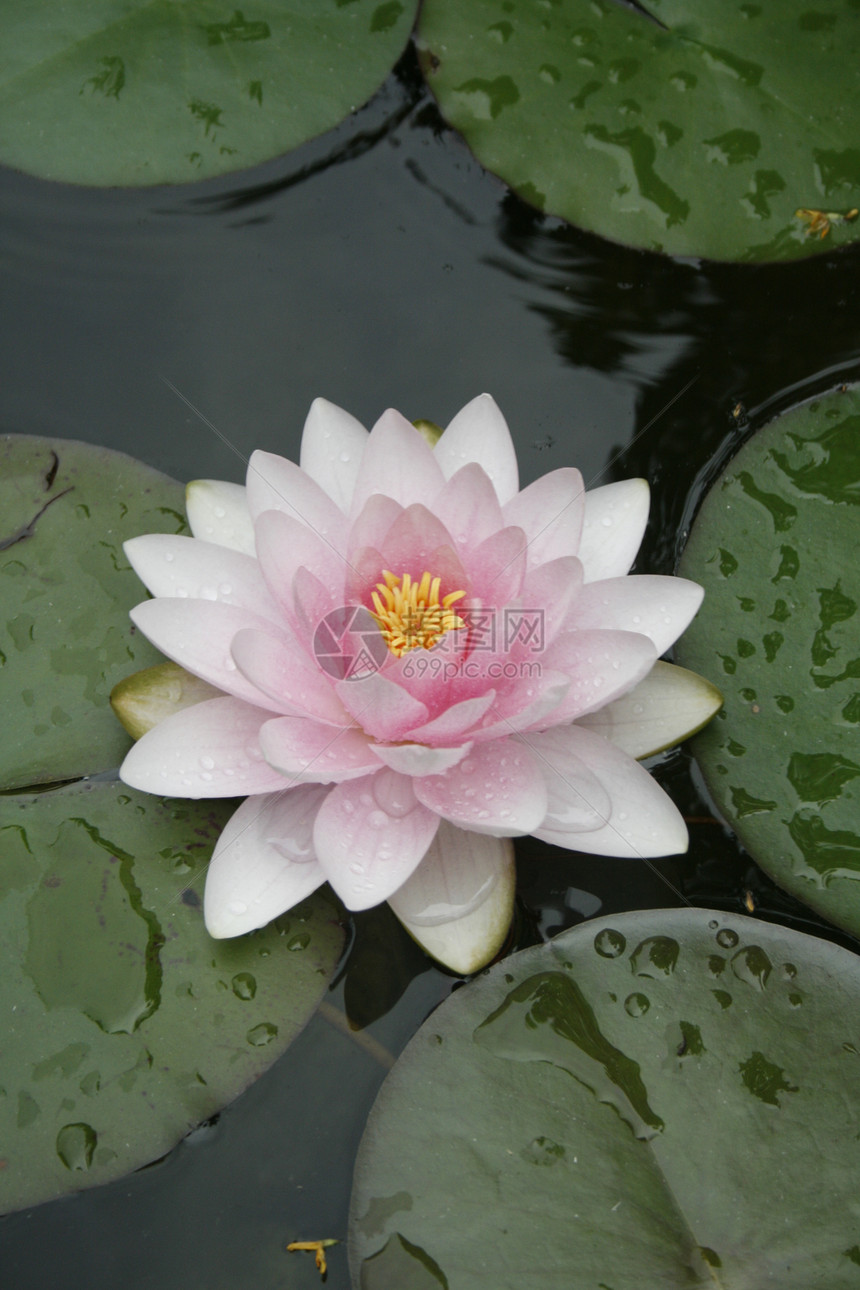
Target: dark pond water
{"x": 381, "y": 266}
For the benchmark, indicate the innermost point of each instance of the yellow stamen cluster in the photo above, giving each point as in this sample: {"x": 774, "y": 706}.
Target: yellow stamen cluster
{"x": 410, "y": 614}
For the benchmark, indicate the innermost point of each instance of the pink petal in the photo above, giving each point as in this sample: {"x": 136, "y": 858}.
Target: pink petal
{"x": 209, "y": 750}
{"x": 370, "y": 835}
{"x": 601, "y": 665}
{"x": 615, "y": 519}
{"x": 218, "y": 512}
{"x": 418, "y": 759}
{"x": 170, "y": 565}
{"x": 312, "y": 602}
{"x": 282, "y": 670}
{"x": 553, "y": 589}
{"x": 285, "y": 545}
{"x": 459, "y": 902}
{"x": 275, "y": 484}
{"x": 397, "y": 462}
{"x": 498, "y": 789}
{"x": 307, "y": 752}
{"x": 480, "y": 433}
{"x": 468, "y": 507}
{"x": 416, "y": 541}
{"x": 551, "y": 512}
{"x": 333, "y": 444}
{"x": 660, "y": 608}
{"x": 642, "y": 821}
{"x": 383, "y": 708}
{"x": 263, "y": 862}
{"x": 455, "y": 721}
{"x": 497, "y": 568}
{"x": 198, "y": 634}
{"x": 374, "y": 520}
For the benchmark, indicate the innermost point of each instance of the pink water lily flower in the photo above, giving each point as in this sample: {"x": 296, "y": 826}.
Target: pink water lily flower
{"x": 411, "y": 663}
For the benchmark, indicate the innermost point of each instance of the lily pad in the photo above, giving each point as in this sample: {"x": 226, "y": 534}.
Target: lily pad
{"x": 151, "y": 92}
{"x": 65, "y": 592}
{"x": 775, "y": 546}
{"x": 694, "y": 127}
{"x": 635, "y": 1105}
{"x": 125, "y": 1024}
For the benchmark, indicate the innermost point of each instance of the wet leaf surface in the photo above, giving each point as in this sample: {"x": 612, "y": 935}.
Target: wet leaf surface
{"x": 154, "y": 93}
{"x": 65, "y": 592}
{"x": 125, "y": 1023}
{"x": 775, "y": 546}
{"x": 618, "y": 1108}
{"x": 698, "y": 127}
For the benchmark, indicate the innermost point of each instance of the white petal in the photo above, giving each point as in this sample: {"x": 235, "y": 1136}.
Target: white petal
{"x": 209, "y": 750}
{"x": 370, "y": 835}
{"x": 460, "y": 719}
{"x": 615, "y": 519}
{"x": 263, "y": 862}
{"x": 275, "y": 484}
{"x": 282, "y": 670}
{"x": 385, "y": 709}
{"x": 671, "y": 704}
{"x": 550, "y": 511}
{"x": 480, "y": 433}
{"x": 459, "y": 902}
{"x": 218, "y": 512}
{"x": 305, "y": 751}
{"x": 418, "y": 759}
{"x": 642, "y": 822}
{"x": 189, "y": 569}
{"x": 577, "y": 800}
{"x": 499, "y": 789}
{"x": 197, "y": 635}
{"x": 285, "y": 545}
{"x": 333, "y": 443}
{"x": 661, "y": 608}
{"x": 398, "y": 463}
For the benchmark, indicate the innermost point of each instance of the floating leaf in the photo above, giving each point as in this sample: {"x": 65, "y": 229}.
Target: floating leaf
{"x": 131, "y": 92}
{"x": 775, "y": 547}
{"x": 125, "y": 1024}
{"x": 615, "y": 1109}
{"x": 65, "y": 592}
{"x": 694, "y": 127}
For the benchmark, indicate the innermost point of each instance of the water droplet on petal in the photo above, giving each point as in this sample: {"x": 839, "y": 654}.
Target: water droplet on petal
{"x": 394, "y": 794}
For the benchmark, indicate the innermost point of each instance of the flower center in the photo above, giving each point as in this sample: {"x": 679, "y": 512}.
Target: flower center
{"x": 410, "y": 614}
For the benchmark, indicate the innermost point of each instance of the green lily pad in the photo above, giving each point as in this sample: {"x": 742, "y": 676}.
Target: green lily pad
{"x": 634, "y": 1106}
{"x": 775, "y": 546}
{"x": 154, "y": 92}
{"x": 65, "y": 592}
{"x": 699, "y": 127}
{"x": 125, "y": 1024}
